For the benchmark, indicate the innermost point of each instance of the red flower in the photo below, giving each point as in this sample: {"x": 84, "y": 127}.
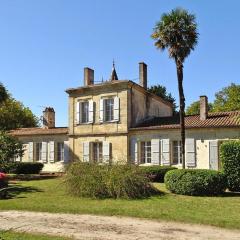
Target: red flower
{"x": 2, "y": 176}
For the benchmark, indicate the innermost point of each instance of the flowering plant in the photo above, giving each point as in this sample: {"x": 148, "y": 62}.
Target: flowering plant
{"x": 3, "y": 176}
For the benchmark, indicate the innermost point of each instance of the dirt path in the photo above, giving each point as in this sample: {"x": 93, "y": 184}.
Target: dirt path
{"x": 90, "y": 227}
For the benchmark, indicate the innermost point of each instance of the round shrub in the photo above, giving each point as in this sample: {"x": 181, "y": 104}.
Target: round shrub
{"x": 195, "y": 182}
{"x": 230, "y": 158}
{"x": 107, "y": 181}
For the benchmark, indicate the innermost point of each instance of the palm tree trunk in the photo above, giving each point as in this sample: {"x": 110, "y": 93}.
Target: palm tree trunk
{"x": 182, "y": 107}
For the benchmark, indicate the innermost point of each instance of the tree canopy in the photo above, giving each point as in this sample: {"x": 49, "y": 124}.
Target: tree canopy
{"x": 13, "y": 113}
{"x": 227, "y": 99}
{"x": 161, "y": 91}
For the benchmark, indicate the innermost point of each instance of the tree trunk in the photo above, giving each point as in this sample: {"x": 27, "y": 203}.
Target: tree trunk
{"x": 182, "y": 107}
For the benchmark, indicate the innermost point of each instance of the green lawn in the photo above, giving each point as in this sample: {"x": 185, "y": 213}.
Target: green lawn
{"x": 9, "y": 235}
{"x": 50, "y": 196}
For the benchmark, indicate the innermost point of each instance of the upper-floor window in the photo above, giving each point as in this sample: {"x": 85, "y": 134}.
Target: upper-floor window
{"x": 146, "y": 152}
{"x": 108, "y": 109}
{"x": 84, "y": 109}
{"x": 177, "y": 156}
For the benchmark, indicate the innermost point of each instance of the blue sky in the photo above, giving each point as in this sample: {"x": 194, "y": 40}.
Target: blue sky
{"x": 45, "y": 44}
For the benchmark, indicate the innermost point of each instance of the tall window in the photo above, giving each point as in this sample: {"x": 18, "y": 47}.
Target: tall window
{"x": 146, "y": 152}
{"x": 108, "y": 109}
{"x": 38, "y": 151}
{"x": 60, "y": 151}
{"x": 97, "y": 152}
{"x": 84, "y": 112}
{"x": 177, "y": 156}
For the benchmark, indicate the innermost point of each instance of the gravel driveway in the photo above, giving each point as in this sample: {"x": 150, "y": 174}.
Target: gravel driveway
{"x": 86, "y": 227}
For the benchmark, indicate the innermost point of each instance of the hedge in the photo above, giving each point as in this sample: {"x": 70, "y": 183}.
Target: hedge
{"x": 156, "y": 173}
{"x": 21, "y": 167}
{"x": 230, "y": 158}
{"x": 195, "y": 182}
{"x": 107, "y": 181}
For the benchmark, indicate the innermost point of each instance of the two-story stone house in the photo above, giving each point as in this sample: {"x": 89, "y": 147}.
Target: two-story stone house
{"x": 120, "y": 121}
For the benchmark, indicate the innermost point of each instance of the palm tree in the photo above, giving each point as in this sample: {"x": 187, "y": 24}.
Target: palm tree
{"x": 177, "y": 32}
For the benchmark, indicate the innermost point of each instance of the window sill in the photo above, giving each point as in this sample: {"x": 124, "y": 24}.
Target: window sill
{"x": 106, "y": 122}
{"x": 88, "y": 123}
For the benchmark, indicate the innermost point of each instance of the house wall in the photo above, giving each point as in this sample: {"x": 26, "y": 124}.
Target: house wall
{"x": 202, "y": 138}
{"x": 57, "y": 166}
{"x": 144, "y": 106}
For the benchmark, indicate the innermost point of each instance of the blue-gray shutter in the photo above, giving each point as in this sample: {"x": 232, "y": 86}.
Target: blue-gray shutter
{"x": 213, "y": 155}
{"x": 155, "y": 151}
{"x": 165, "y": 152}
{"x": 190, "y": 152}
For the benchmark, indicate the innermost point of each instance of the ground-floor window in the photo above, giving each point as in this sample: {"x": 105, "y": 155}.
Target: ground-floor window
{"x": 145, "y": 152}
{"x": 38, "y": 151}
{"x": 97, "y": 152}
{"x": 177, "y": 156}
{"x": 60, "y": 151}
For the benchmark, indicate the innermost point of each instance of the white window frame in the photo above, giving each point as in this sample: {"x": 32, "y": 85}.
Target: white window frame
{"x": 145, "y": 152}
{"x": 111, "y": 115}
{"x": 83, "y": 119}
{"x": 176, "y": 149}
{"x": 60, "y": 152}
{"x": 38, "y": 151}
{"x": 98, "y": 147}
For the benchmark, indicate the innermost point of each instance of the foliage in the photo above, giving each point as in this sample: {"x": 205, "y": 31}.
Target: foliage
{"x": 21, "y": 167}
{"x": 10, "y": 147}
{"x": 3, "y": 180}
{"x": 177, "y": 32}
{"x": 228, "y": 99}
{"x": 156, "y": 173}
{"x": 161, "y": 91}
{"x": 15, "y": 115}
{"x": 196, "y": 182}
{"x": 194, "y": 108}
{"x": 3, "y": 93}
{"x": 107, "y": 181}
{"x": 230, "y": 158}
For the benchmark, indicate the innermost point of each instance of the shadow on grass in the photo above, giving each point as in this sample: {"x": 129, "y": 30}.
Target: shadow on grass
{"x": 13, "y": 191}
{"x": 231, "y": 194}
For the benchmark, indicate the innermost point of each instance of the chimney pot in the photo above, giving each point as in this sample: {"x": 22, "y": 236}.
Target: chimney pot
{"x": 203, "y": 107}
{"x": 49, "y": 118}
{"x": 88, "y": 76}
{"x": 143, "y": 74}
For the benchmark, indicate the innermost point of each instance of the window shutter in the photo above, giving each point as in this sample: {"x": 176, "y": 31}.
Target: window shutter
{"x": 155, "y": 150}
{"x": 51, "y": 151}
{"x": 90, "y": 111}
{"x": 190, "y": 152}
{"x": 44, "y": 152}
{"x": 116, "y": 108}
{"x": 30, "y": 151}
{"x": 101, "y": 111}
{"x": 134, "y": 151}
{"x": 106, "y": 152}
{"x": 77, "y": 112}
{"x": 213, "y": 155}
{"x": 66, "y": 151}
{"x": 165, "y": 152}
{"x": 86, "y": 151}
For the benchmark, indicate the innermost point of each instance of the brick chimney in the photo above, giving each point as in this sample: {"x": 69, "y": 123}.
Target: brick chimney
{"x": 49, "y": 118}
{"x": 203, "y": 107}
{"x": 143, "y": 74}
{"x": 88, "y": 76}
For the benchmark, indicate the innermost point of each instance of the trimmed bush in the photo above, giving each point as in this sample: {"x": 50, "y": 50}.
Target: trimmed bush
{"x": 156, "y": 173}
{"x": 107, "y": 181}
{"x": 195, "y": 182}
{"x": 21, "y": 167}
{"x": 230, "y": 158}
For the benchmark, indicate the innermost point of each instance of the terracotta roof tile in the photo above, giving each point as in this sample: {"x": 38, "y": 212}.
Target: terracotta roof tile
{"x": 39, "y": 131}
{"x": 214, "y": 120}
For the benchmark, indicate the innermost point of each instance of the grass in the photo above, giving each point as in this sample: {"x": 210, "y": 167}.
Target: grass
{"x": 10, "y": 235}
{"x": 50, "y": 196}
